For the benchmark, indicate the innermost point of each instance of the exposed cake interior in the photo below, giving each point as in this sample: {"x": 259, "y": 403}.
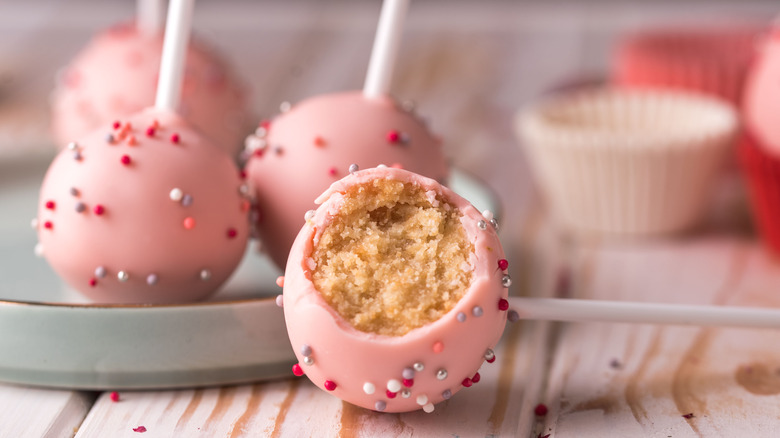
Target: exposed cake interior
{"x": 395, "y": 257}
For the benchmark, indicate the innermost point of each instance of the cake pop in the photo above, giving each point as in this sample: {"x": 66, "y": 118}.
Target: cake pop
{"x": 145, "y": 210}
{"x": 115, "y": 75}
{"x": 310, "y": 145}
{"x": 395, "y": 291}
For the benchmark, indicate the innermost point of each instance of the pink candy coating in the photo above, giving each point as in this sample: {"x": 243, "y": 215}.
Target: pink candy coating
{"x": 313, "y": 145}
{"x": 115, "y": 76}
{"x": 119, "y": 234}
{"x": 356, "y": 361}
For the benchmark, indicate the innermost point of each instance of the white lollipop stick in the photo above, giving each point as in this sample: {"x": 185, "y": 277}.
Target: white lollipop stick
{"x": 386, "y": 42}
{"x": 177, "y": 35}
{"x": 564, "y": 309}
{"x": 149, "y": 16}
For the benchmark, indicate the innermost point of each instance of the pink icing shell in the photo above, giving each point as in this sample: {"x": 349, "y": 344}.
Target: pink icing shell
{"x": 761, "y": 101}
{"x": 115, "y": 75}
{"x": 312, "y": 145}
{"x": 125, "y": 217}
{"x": 438, "y": 358}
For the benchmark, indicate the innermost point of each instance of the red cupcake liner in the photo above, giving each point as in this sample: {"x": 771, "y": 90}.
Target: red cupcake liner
{"x": 762, "y": 174}
{"x": 709, "y": 61}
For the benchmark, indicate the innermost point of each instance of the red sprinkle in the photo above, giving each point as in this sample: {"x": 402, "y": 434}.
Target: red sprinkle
{"x": 330, "y": 385}
{"x": 476, "y": 378}
{"x": 92, "y": 282}
{"x": 391, "y": 394}
{"x": 175, "y": 138}
{"x": 150, "y": 131}
{"x": 99, "y": 210}
{"x": 126, "y": 160}
{"x": 139, "y": 429}
{"x": 242, "y": 174}
{"x": 258, "y": 152}
{"x": 297, "y": 370}
{"x": 503, "y": 264}
{"x": 189, "y": 223}
{"x": 393, "y": 136}
{"x": 114, "y": 396}
{"x": 408, "y": 382}
{"x": 50, "y": 205}
{"x": 540, "y": 410}
{"x": 467, "y": 382}
{"x": 503, "y": 304}
{"x": 231, "y": 233}
{"x": 117, "y": 124}
{"x": 48, "y": 225}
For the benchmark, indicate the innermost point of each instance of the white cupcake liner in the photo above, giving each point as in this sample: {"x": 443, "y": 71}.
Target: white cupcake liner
{"x": 627, "y": 162}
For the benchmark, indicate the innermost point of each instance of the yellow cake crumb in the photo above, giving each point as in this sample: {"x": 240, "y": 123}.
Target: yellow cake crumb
{"x": 395, "y": 258}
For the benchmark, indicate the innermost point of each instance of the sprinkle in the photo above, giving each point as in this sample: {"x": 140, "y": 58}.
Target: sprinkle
{"x": 405, "y": 138}
{"x": 369, "y": 388}
{"x": 446, "y": 394}
{"x": 99, "y": 210}
{"x": 309, "y": 215}
{"x": 74, "y": 191}
{"x": 506, "y": 281}
{"x": 428, "y": 408}
{"x": 279, "y": 150}
{"x": 308, "y": 360}
{"x": 380, "y": 405}
{"x": 77, "y": 156}
{"x": 466, "y": 382}
{"x": 482, "y": 225}
{"x": 253, "y": 143}
{"x": 406, "y": 393}
{"x": 494, "y": 222}
{"x": 245, "y": 205}
{"x": 280, "y": 281}
{"x": 131, "y": 141}
{"x": 490, "y": 356}
{"x": 503, "y": 264}
{"x": 408, "y": 373}
{"x": 408, "y": 383}
{"x": 418, "y": 366}
{"x": 80, "y": 207}
{"x": 73, "y": 146}
{"x": 319, "y": 141}
{"x": 306, "y": 350}
{"x": 688, "y": 416}
{"x": 109, "y": 138}
{"x": 139, "y": 429}
{"x": 393, "y": 385}
{"x": 262, "y": 131}
{"x": 503, "y": 304}
{"x": 114, "y": 396}
{"x": 422, "y": 399}
{"x": 126, "y": 160}
{"x": 155, "y": 124}
{"x": 50, "y": 205}
{"x": 476, "y": 311}
{"x": 330, "y": 385}
{"x": 92, "y": 282}
{"x": 476, "y": 378}
{"x": 38, "y": 250}
{"x": 540, "y": 410}
{"x": 186, "y": 200}
{"x": 333, "y": 171}
{"x": 48, "y": 225}
{"x": 353, "y": 168}
{"x": 441, "y": 374}
{"x": 117, "y": 124}
{"x": 176, "y": 194}
{"x": 615, "y": 364}
{"x": 461, "y": 317}
{"x": 390, "y": 394}
{"x": 175, "y": 138}
{"x": 487, "y": 214}
{"x": 205, "y": 275}
{"x": 122, "y": 276}
{"x": 151, "y": 279}
{"x": 188, "y": 222}
{"x": 381, "y": 166}
{"x": 100, "y": 272}
{"x": 392, "y": 136}
{"x": 34, "y": 223}
{"x": 513, "y": 316}
{"x": 285, "y": 106}
{"x": 438, "y": 347}
{"x": 297, "y": 370}
{"x": 150, "y": 131}
{"x": 280, "y": 300}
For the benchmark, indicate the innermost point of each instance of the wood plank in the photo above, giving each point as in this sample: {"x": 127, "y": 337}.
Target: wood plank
{"x": 36, "y": 412}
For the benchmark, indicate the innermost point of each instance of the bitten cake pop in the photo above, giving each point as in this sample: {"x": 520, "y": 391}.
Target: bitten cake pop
{"x": 115, "y": 75}
{"x": 145, "y": 210}
{"x": 309, "y": 146}
{"x": 395, "y": 291}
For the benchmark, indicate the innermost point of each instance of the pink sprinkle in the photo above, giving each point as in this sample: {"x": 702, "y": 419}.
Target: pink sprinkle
{"x": 476, "y": 378}
{"x": 438, "y": 347}
{"x": 319, "y": 141}
{"x": 466, "y": 382}
{"x": 231, "y": 233}
{"x": 99, "y": 210}
{"x": 280, "y": 281}
{"x": 139, "y": 429}
{"x": 114, "y": 396}
{"x": 92, "y": 282}
{"x": 408, "y": 382}
{"x": 330, "y": 385}
{"x": 297, "y": 370}
{"x": 503, "y": 304}
{"x": 155, "y": 124}
{"x": 503, "y": 264}
{"x": 126, "y": 160}
{"x": 391, "y": 394}
{"x": 150, "y": 131}
{"x": 265, "y": 124}
{"x": 189, "y": 223}
{"x": 50, "y": 205}
{"x": 393, "y": 136}
{"x": 245, "y": 205}
{"x": 397, "y": 166}
{"x": 48, "y": 225}
{"x": 333, "y": 171}
{"x": 175, "y": 138}
{"x": 131, "y": 141}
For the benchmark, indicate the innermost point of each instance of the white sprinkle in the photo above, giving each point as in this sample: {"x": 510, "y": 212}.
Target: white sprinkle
{"x": 428, "y": 408}
{"x": 381, "y": 166}
{"x": 205, "y": 275}
{"x": 418, "y": 366}
{"x": 308, "y": 360}
{"x": 39, "y": 249}
{"x": 243, "y": 189}
{"x": 488, "y": 215}
{"x": 393, "y": 385}
{"x": 151, "y": 279}
{"x": 73, "y": 146}
{"x": 422, "y": 399}
{"x": 280, "y": 300}
{"x": 176, "y": 194}
{"x": 34, "y": 223}
{"x": 309, "y": 215}
{"x": 285, "y": 106}
{"x": 261, "y": 132}
{"x": 122, "y": 276}
{"x": 253, "y": 143}
{"x": 369, "y": 388}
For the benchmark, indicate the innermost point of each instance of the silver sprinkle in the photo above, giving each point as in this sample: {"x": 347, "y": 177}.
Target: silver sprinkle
{"x": 122, "y": 276}
{"x": 489, "y": 354}
{"x": 151, "y": 279}
{"x": 476, "y": 311}
{"x": 441, "y": 374}
{"x": 418, "y": 366}
{"x": 494, "y": 222}
{"x": 380, "y": 405}
{"x": 408, "y": 373}
{"x": 405, "y": 393}
{"x": 279, "y": 150}
{"x": 109, "y": 138}
{"x": 205, "y": 275}
{"x": 306, "y": 350}
{"x": 285, "y": 106}
{"x": 80, "y": 207}
{"x": 353, "y": 168}
{"x": 100, "y": 272}
{"x": 309, "y": 215}
{"x": 186, "y": 200}
{"x": 446, "y": 394}
{"x": 461, "y": 317}
{"x": 506, "y": 281}
{"x": 482, "y": 225}
{"x": 513, "y": 316}
{"x": 308, "y": 360}
{"x": 74, "y": 191}
{"x": 404, "y": 138}
{"x": 77, "y": 155}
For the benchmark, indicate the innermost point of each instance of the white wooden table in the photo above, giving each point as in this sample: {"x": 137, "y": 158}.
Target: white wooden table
{"x": 470, "y": 65}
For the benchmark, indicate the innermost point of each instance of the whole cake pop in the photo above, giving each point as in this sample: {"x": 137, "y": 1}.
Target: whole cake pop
{"x": 116, "y": 74}
{"x": 395, "y": 291}
{"x": 301, "y": 152}
{"x": 145, "y": 210}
